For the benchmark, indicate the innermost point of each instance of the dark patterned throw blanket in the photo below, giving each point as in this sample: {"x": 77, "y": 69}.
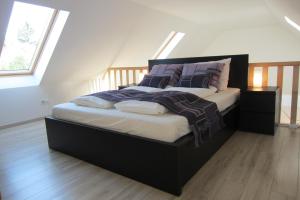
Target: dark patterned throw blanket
{"x": 203, "y": 116}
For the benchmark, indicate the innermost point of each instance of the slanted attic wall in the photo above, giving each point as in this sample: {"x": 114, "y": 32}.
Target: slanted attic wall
{"x": 98, "y": 34}
{"x": 267, "y": 44}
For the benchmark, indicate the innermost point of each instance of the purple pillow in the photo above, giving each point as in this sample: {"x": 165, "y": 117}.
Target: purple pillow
{"x": 194, "y": 81}
{"x": 214, "y": 69}
{"x": 172, "y": 70}
{"x": 155, "y": 81}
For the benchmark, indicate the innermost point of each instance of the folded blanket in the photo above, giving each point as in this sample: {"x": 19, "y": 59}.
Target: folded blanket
{"x": 203, "y": 116}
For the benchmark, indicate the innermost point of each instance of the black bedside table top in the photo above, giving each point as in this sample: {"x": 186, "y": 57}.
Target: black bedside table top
{"x": 261, "y": 89}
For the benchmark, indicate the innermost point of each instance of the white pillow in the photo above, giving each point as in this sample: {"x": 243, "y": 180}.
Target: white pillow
{"x": 200, "y": 92}
{"x": 91, "y": 101}
{"x": 224, "y": 77}
{"x": 141, "y": 107}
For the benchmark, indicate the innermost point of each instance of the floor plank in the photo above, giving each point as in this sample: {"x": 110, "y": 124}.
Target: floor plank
{"x": 248, "y": 167}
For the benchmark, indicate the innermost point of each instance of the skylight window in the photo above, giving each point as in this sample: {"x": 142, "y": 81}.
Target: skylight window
{"x": 27, "y": 33}
{"x": 169, "y": 44}
{"x": 292, "y": 23}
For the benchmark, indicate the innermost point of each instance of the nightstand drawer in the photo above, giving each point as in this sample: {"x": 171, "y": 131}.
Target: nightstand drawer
{"x": 258, "y": 102}
{"x": 257, "y": 122}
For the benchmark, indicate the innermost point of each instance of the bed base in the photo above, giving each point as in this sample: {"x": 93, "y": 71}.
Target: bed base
{"x": 166, "y": 166}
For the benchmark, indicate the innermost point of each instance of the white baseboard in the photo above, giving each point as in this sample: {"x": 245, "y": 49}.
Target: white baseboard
{"x": 20, "y": 123}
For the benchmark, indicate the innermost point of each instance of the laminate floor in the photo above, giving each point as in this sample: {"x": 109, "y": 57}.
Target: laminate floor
{"x": 248, "y": 166}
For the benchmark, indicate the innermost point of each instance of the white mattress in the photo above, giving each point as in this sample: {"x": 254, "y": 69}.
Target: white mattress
{"x": 225, "y": 98}
{"x": 167, "y": 127}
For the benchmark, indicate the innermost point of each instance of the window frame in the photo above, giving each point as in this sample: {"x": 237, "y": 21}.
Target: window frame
{"x": 172, "y": 35}
{"x": 39, "y": 51}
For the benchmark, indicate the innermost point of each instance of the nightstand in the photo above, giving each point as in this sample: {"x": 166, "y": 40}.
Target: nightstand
{"x": 120, "y": 87}
{"x": 259, "y": 110}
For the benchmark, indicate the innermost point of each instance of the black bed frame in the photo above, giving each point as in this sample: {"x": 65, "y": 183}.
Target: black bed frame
{"x": 163, "y": 165}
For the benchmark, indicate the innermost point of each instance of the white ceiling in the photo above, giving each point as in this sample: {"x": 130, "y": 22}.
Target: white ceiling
{"x": 228, "y": 14}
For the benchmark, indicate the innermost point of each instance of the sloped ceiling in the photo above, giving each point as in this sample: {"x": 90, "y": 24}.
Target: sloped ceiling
{"x": 289, "y": 8}
{"x": 227, "y": 14}
{"x": 230, "y": 13}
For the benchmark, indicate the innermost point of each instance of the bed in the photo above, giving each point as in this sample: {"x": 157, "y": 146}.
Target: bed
{"x": 164, "y": 164}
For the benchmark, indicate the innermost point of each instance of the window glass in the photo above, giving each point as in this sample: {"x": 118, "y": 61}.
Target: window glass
{"x": 26, "y": 32}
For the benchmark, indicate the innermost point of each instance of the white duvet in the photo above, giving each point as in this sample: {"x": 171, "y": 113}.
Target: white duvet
{"x": 91, "y": 101}
{"x": 142, "y": 107}
{"x": 145, "y": 125}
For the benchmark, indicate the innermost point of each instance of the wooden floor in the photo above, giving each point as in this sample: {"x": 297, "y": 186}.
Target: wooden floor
{"x": 248, "y": 166}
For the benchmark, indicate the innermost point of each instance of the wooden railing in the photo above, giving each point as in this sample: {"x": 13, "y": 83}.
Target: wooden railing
{"x": 263, "y": 70}
{"x": 125, "y": 75}
{"x": 116, "y": 76}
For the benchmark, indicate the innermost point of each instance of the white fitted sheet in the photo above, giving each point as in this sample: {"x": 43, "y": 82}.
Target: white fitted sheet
{"x": 167, "y": 127}
{"x": 225, "y": 98}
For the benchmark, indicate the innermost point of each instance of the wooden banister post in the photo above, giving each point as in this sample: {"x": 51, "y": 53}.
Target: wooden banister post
{"x": 121, "y": 76}
{"x": 294, "y": 104}
{"x": 115, "y": 78}
{"x": 134, "y": 76}
{"x": 265, "y": 75}
{"x": 250, "y": 75}
{"x": 127, "y": 77}
{"x": 279, "y": 84}
{"x": 109, "y": 79}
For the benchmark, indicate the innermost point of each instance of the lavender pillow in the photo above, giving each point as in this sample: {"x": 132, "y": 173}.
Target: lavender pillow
{"x": 172, "y": 70}
{"x": 194, "y": 81}
{"x": 214, "y": 69}
{"x": 155, "y": 81}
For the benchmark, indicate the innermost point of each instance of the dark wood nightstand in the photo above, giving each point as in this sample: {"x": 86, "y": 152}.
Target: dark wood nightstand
{"x": 259, "y": 110}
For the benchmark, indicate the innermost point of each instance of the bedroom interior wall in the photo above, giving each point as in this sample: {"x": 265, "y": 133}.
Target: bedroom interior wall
{"x": 275, "y": 43}
{"x": 270, "y": 43}
{"x": 94, "y": 38}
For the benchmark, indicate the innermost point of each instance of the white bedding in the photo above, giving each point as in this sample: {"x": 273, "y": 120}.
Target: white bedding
{"x": 91, "y": 101}
{"x": 151, "y": 108}
{"x": 142, "y": 107}
{"x": 225, "y": 98}
{"x": 150, "y": 126}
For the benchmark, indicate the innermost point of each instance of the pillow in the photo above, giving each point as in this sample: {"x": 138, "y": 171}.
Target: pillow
{"x": 194, "y": 81}
{"x": 141, "y": 107}
{"x": 172, "y": 70}
{"x": 155, "y": 81}
{"x": 224, "y": 77}
{"x": 212, "y": 68}
{"x": 91, "y": 101}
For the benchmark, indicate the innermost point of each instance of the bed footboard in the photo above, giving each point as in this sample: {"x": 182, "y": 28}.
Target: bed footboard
{"x": 151, "y": 162}
{"x": 166, "y": 166}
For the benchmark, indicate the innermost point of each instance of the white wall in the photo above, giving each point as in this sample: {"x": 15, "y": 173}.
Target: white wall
{"x": 22, "y": 104}
{"x": 97, "y": 35}
{"x": 263, "y": 44}
{"x": 150, "y": 32}
{"x": 104, "y": 33}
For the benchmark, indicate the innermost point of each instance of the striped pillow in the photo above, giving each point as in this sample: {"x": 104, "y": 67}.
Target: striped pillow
{"x": 172, "y": 70}
{"x": 214, "y": 69}
{"x": 194, "y": 81}
{"x": 155, "y": 81}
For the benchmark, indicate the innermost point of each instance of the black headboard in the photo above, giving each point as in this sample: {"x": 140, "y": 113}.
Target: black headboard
{"x": 238, "y": 76}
